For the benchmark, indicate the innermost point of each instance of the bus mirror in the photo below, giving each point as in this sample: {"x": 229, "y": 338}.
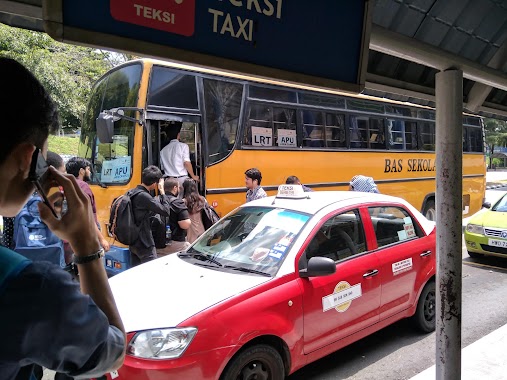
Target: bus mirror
{"x": 105, "y": 127}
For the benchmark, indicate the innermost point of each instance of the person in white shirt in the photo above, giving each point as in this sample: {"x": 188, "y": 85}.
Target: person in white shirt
{"x": 175, "y": 157}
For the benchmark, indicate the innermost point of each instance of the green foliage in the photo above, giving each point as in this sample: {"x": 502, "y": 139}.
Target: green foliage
{"x": 63, "y": 145}
{"x": 66, "y": 71}
{"x": 496, "y": 134}
{"x": 497, "y": 162}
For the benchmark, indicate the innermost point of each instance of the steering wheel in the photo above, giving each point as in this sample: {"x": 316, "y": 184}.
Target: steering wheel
{"x": 348, "y": 240}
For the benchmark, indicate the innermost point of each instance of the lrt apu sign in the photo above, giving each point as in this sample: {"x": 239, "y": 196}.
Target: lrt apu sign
{"x": 318, "y": 43}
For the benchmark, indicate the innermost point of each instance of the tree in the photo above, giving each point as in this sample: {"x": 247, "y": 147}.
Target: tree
{"x": 66, "y": 71}
{"x": 496, "y": 135}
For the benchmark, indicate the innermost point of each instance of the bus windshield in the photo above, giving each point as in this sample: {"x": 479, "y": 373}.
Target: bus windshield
{"x": 112, "y": 162}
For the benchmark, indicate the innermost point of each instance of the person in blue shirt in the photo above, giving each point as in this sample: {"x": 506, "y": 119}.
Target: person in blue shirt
{"x": 293, "y": 180}
{"x": 48, "y": 319}
{"x": 363, "y": 183}
{"x": 253, "y": 178}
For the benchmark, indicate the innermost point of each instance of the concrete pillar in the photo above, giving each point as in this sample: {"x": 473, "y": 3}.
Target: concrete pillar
{"x": 449, "y": 135}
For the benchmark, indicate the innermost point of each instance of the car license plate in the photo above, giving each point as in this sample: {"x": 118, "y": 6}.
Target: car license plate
{"x": 497, "y": 243}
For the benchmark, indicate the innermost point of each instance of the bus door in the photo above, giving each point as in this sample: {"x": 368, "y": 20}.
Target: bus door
{"x": 191, "y": 135}
{"x": 162, "y": 131}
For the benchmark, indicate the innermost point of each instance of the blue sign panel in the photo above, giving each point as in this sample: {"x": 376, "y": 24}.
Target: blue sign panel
{"x": 293, "y": 40}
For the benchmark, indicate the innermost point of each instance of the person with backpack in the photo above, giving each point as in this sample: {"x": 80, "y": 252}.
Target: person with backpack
{"x": 179, "y": 219}
{"x": 202, "y": 214}
{"x": 144, "y": 207}
{"x": 195, "y": 204}
{"x": 47, "y": 318}
{"x": 32, "y": 238}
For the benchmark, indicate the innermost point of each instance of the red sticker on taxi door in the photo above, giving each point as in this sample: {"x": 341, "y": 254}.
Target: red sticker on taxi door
{"x": 174, "y": 16}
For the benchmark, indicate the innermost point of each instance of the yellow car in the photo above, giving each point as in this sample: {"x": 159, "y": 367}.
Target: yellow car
{"x": 486, "y": 233}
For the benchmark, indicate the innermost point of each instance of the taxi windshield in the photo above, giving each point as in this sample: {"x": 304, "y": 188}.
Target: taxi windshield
{"x": 501, "y": 205}
{"x": 252, "y": 240}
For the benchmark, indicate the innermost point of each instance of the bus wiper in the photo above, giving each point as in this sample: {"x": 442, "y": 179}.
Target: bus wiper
{"x": 247, "y": 270}
{"x": 201, "y": 256}
{"x": 94, "y": 173}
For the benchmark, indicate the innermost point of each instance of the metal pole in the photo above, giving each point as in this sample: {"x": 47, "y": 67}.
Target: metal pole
{"x": 449, "y": 137}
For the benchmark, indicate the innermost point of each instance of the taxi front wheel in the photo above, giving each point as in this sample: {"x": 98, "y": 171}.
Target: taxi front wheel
{"x": 256, "y": 362}
{"x": 425, "y": 315}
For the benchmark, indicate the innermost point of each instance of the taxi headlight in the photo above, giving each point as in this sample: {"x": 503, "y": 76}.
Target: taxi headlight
{"x": 475, "y": 229}
{"x": 161, "y": 343}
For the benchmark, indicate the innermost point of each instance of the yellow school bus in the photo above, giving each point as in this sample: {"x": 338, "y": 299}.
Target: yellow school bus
{"x": 232, "y": 123}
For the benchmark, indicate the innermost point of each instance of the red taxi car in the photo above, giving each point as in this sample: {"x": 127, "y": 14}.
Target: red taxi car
{"x": 276, "y": 284}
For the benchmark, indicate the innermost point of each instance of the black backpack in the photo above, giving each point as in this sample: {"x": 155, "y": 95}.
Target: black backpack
{"x": 122, "y": 224}
{"x": 209, "y": 216}
{"x": 159, "y": 231}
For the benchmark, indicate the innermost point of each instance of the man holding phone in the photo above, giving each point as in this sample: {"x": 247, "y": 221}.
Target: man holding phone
{"x": 46, "y": 319}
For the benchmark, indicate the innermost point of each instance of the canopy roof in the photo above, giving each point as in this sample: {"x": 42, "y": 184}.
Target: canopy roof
{"x": 470, "y": 33}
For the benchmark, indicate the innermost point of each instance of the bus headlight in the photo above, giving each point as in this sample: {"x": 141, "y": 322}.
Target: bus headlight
{"x": 161, "y": 343}
{"x": 475, "y": 229}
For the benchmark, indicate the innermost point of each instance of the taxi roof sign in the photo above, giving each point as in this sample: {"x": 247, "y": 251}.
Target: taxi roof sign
{"x": 291, "y": 191}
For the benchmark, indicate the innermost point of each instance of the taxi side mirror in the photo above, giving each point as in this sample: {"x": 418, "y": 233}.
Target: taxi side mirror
{"x": 317, "y": 267}
{"x": 486, "y": 205}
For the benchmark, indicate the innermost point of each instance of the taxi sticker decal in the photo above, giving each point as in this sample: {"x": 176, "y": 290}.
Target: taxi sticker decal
{"x": 402, "y": 235}
{"x": 342, "y": 297}
{"x": 409, "y": 229}
{"x": 278, "y": 251}
{"x": 402, "y": 266}
{"x": 286, "y": 240}
{"x": 275, "y": 254}
{"x": 280, "y": 247}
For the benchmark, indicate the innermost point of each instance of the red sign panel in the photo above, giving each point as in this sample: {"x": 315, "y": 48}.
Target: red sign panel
{"x": 174, "y": 16}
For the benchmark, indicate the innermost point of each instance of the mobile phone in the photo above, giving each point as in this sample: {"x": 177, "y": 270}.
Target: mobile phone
{"x": 39, "y": 176}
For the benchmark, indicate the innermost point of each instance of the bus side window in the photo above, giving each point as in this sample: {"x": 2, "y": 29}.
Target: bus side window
{"x": 358, "y": 129}
{"x": 427, "y": 135}
{"x": 376, "y": 134}
{"x": 259, "y": 116}
{"x": 335, "y": 131}
{"x": 313, "y": 129}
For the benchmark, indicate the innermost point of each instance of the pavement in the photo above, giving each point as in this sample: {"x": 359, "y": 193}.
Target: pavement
{"x": 486, "y": 358}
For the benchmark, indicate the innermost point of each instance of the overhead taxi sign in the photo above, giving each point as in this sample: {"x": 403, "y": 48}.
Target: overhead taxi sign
{"x": 176, "y": 17}
{"x": 318, "y": 43}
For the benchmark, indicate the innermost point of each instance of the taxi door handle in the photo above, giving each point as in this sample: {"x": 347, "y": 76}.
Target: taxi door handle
{"x": 371, "y": 273}
{"x": 425, "y": 253}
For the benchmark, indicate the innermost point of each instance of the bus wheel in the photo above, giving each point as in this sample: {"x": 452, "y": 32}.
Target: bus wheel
{"x": 425, "y": 315}
{"x": 256, "y": 362}
{"x": 429, "y": 210}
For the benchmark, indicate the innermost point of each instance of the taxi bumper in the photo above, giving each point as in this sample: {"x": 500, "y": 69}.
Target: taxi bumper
{"x": 483, "y": 245}
{"x": 205, "y": 365}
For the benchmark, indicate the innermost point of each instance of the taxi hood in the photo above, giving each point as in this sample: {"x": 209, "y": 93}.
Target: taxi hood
{"x": 489, "y": 218}
{"x": 167, "y": 291}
